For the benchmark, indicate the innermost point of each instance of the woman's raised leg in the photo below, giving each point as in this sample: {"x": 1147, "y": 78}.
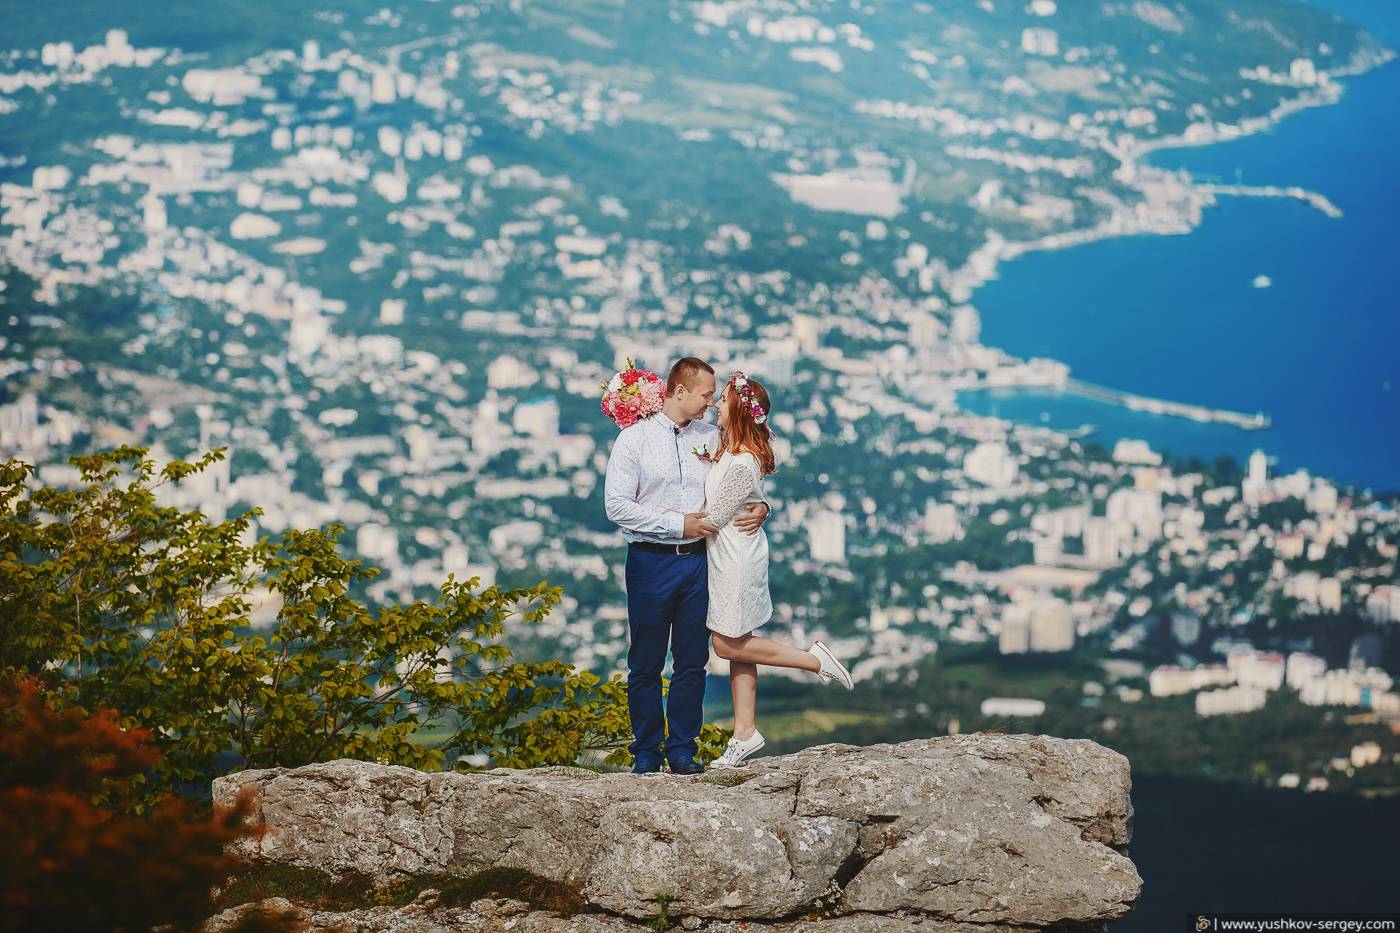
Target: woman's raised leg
{"x": 755, "y": 649}
{"x": 743, "y": 689}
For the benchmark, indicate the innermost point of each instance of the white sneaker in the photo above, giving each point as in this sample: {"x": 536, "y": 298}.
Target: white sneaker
{"x": 832, "y": 669}
{"x": 736, "y": 751}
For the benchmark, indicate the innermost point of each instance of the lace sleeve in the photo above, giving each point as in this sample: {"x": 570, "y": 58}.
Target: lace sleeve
{"x": 734, "y": 488}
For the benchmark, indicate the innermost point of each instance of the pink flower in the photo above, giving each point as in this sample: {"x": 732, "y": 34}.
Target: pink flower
{"x": 631, "y": 395}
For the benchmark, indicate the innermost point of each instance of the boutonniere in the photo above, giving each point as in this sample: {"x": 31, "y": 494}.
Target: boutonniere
{"x": 703, "y": 454}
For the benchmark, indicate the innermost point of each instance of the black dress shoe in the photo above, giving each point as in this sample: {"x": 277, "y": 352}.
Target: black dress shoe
{"x": 686, "y": 766}
{"x": 646, "y": 767}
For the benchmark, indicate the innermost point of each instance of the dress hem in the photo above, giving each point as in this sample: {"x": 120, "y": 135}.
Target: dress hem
{"x": 747, "y": 631}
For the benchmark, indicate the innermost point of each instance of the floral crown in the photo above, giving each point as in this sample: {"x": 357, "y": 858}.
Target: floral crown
{"x": 747, "y": 396}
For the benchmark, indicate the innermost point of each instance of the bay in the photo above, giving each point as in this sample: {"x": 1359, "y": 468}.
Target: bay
{"x": 1179, "y": 317}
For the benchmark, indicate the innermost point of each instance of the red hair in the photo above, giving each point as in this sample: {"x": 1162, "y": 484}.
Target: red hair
{"x": 744, "y": 435}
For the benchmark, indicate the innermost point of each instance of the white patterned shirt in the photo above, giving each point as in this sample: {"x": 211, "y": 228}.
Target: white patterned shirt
{"x": 654, "y": 478}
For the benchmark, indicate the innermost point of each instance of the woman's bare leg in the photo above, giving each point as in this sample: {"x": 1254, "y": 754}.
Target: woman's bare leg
{"x": 743, "y": 689}
{"x": 755, "y": 649}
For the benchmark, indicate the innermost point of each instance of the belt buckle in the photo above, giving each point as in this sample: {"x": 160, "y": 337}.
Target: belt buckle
{"x": 679, "y": 552}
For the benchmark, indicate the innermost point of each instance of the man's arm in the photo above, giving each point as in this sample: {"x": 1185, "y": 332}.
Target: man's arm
{"x": 620, "y": 485}
{"x": 752, "y": 517}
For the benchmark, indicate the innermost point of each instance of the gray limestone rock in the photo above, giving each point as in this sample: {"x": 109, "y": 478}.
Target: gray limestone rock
{"x": 952, "y": 834}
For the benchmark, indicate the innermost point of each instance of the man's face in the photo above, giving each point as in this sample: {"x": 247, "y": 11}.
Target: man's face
{"x": 698, "y": 396}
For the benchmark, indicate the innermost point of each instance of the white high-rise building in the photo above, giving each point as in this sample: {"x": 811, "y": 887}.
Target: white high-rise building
{"x": 1256, "y": 480}
{"x": 991, "y": 464}
{"x": 1047, "y": 551}
{"x": 1061, "y": 523}
{"x": 1260, "y": 669}
{"x": 537, "y": 418}
{"x": 391, "y": 311}
{"x": 1140, "y": 508}
{"x": 923, "y": 331}
{"x": 378, "y": 542}
{"x": 966, "y": 324}
{"x": 806, "y": 330}
{"x": 306, "y": 335}
{"x": 18, "y": 420}
{"x": 507, "y": 372}
{"x": 1329, "y": 594}
{"x": 153, "y": 217}
{"x": 1015, "y": 629}
{"x": 1322, "y": 498}
{"x": 519, "y": 534}
{"x": 390, "y": 141}
{"x": 1102, "y": 540}
{"x": 1040, "y": 41}
{"x": 1052, "y": 626}
{"x": 1301, "y": 667}
{"x": 382, "y": 87}
{"x": 826, "y": 536}
{"x": 1383, "y": 605}
{"x": 941, "y": 522}
{"x": 456, "y": 559}
{"x": 1303, "y": 586}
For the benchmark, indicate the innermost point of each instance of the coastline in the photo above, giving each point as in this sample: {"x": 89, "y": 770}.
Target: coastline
{"x": 983, "y": 264}
{"x": 1173, "y": 202}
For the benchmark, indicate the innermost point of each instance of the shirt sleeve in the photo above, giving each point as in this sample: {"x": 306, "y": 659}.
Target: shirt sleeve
{"x": 621, "y": 484}
{"x": 731, "y": 493}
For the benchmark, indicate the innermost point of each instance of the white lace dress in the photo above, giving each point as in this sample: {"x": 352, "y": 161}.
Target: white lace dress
{"x": 739, "y": 600}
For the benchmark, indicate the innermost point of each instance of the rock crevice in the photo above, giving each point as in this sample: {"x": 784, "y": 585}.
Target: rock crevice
{"x": 986, "y": 832}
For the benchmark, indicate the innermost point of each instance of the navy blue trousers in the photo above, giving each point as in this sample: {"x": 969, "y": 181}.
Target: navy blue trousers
{"x": 668, "y": 599}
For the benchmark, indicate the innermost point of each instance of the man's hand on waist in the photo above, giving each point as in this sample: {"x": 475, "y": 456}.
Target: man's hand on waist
{"x": 696, "y": 526}
{"x": 751, "y": 517}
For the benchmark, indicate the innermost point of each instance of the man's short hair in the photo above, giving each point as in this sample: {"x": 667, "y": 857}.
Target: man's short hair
{"x": 685, "y": 371}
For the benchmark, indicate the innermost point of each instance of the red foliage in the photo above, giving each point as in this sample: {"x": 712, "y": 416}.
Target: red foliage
{"x": 72, "y": 859}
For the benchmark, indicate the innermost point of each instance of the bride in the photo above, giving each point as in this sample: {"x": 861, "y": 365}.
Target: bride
{"x": 739, "y": 599}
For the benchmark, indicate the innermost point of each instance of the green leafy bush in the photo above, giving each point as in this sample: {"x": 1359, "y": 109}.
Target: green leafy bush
{"x": 115, "y": 600}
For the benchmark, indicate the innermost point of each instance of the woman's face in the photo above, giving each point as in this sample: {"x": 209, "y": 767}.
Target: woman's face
{"x": 722, "y": 408}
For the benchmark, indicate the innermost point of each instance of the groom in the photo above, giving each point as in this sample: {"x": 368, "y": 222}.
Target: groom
{"x": 655, "y": 490}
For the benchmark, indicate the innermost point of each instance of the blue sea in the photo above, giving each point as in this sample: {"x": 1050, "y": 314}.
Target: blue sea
{"x": 1178, "y": 317}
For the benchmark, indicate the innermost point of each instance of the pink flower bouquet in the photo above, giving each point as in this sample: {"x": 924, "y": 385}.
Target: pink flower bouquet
{"x": 632, "y": 394}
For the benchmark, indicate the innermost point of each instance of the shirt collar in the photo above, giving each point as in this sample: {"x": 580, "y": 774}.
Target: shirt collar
{"x": 670, "y": 423}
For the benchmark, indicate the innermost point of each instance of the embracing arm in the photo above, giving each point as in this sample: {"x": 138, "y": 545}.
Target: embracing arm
{"x": 734, "y": 488}
{"x": 752, "y": 516}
